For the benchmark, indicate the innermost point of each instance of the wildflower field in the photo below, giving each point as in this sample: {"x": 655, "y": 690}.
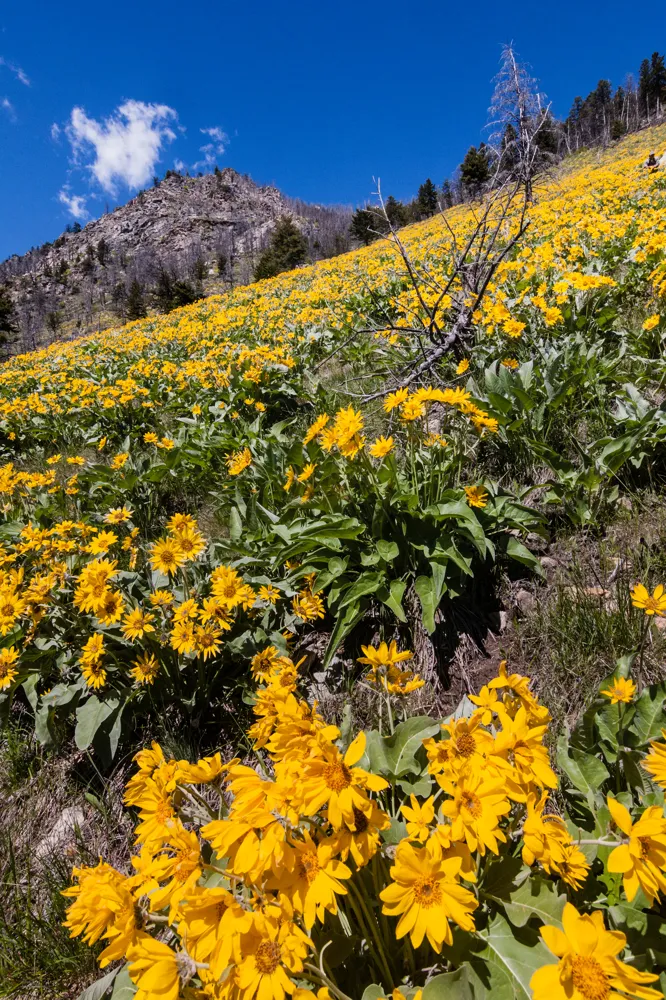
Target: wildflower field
{"x": 210, "y": 517}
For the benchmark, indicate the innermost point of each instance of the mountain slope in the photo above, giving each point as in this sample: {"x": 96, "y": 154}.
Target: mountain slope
{"x": 208, "y": 230}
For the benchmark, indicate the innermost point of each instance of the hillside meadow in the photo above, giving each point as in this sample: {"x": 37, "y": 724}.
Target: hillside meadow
{"x": 236, "y": 548}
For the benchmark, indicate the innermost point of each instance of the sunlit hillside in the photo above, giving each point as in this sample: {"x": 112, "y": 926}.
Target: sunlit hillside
{"x": 272, "y": 524}
{"x": 596, "y": 213}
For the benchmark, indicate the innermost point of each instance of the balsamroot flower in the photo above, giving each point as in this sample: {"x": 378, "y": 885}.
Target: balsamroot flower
{"x": 642, "y": 860}
{"x": 621, "y": 690}
{"x": 651, "y": 604}
{"x": 426, "y": 895}
{"x": 655, "y": 762}
{"x": 588, "y": 968}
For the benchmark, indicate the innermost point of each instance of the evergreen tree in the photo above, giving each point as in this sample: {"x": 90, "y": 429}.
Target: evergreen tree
{"x": 475, "y": 170}
{"x": 287, "y": 249}
{"x": 88, "y": 265}
{"x": 396, "y": 212}
{"x": 509, "y": 148}
{"x": 184, "y": 294}
{"x": 136, "y": 306}
{"x": 199, "y": 270}
{"x": 364, "y": 225}
{"x": 447, "y": 194}
{"x": 644, "y": 89}
{"x": 547, "y": 137}
{"x": 658, "y": 81}
{"x": 8, "y": 327}
{"x": 426, "y": 199}
{"x": 102, "y": 252}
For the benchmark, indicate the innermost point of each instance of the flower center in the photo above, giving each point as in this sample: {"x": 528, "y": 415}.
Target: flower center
{"x": 466, "y": 745}
{"x": 360, "y": 821}
{"x": 427, "y": 892}
{"x": 267, "y": 957}
{"x": 589, "y": 978}
{"x": 644, "y": 843}
{"x": 472, "y": 803}
{"x": 337, "y": 776}
{"x": 309, "y": 867}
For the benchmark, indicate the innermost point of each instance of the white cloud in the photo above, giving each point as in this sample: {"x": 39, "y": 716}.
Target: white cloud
{"x": 7, "y": 106}
{"x": 126, "y": 145}
{"x": 178, "y": 165}
{"x": 74, "y": 203}
{"x": 16, "y": 70}
{"x": 55, "y": 132}
{"x": 212, "y": 149}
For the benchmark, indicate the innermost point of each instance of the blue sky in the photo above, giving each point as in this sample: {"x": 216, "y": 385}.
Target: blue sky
{"x": 317, "y": 98}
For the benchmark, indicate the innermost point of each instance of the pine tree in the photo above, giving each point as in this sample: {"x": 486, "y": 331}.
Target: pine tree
{"x": 447, "y": 194}
{"x": 426, "y": 199}
{"x": 644, "y": 89}
{"x": 658, "y": 82}
{"x": 8, "y": 327}
{"x": 136, "y": 306}
{"x": 287, "y": 249}
{"x": 102, "y": 252}
{"x": 364, "y": 225}
{"x": 475, "y": 170}
{"x": 396, "y": 212}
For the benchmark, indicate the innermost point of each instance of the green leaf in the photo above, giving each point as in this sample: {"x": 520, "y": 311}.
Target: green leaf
{"x": 449, "y": 986}
{"x": 235, "y": 524}
{"x": 516, "y": 550}
{"x": 535, "y": 898}
{"x": 649, "y": 718}
{"x": 343, "y": 626}
{"x": 585, "y": 772}
{"x": 425, "y": 589}
{"x": 387, "y": 550}
{"x": 367, "y": 583}
{"x": 395, "y": 755}
{"x": 89, "y": 718}
{"x": 30, "y": 687}
{"x": 99, "y": 989}
{"x": 511, "y": 956}
{"x": 392, "y": 598}
{"x": 373, "y": 992}
{"x": 123, "y": 988}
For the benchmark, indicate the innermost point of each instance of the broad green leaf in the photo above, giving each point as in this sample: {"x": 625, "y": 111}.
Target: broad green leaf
{"x": 585, "y": 772}
{"x": 449, "y": 986}
{"x": 512, "y": 956}
{"x": 235, "y": 524}
{"x": 123, "y": 988}
{"x": 395, "y": 755}
{"x": 392, "y": 596}
{"x": 387, "y": 550}
{"x": 516, "y": 550}
{"x": 30, "y": 687}
{"x": 425, "y": 590}
{"x": 535, "y": 898}
{"x": 343, "y": 626}
{"x": 649, "y": 718}
{"x": 373, "y": 992}
{"x": 89, "y": 717}
{"x": 367, "y": 583}
{"x": 100, "y": 988}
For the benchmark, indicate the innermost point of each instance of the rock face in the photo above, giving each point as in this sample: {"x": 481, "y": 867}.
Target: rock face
{"x": 208, "y": 230}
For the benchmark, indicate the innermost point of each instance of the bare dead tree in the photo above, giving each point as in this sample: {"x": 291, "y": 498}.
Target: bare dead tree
{"x": 517, "y": 115}
{"x": 443, "y": 321}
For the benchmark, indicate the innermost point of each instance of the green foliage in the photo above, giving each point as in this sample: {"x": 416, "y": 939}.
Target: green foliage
{"x": 287, "y": 249}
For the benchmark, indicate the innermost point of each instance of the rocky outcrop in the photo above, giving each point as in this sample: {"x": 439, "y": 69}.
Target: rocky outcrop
{"x": 208, "y": 230}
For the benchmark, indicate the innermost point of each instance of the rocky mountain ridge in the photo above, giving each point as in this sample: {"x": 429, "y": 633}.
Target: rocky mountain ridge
{"x": 206, "y": 232}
